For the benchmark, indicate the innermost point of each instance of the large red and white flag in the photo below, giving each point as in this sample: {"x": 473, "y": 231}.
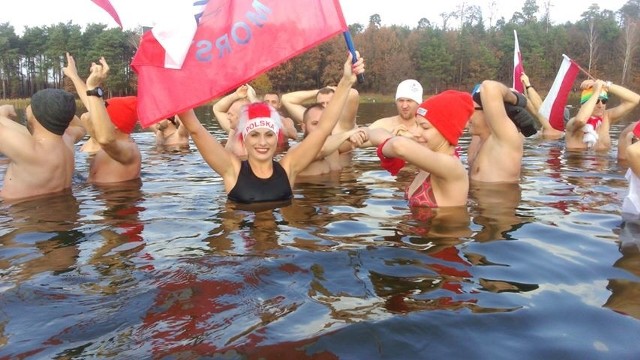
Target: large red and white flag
{"x": 234, "y": 42}
{"x": 518, "y": 69}
{"x": 106, "y": 6}
{"x": 553, "y": 105}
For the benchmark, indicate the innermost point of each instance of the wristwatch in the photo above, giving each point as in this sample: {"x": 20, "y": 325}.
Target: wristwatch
{"x": 95, "y": 92}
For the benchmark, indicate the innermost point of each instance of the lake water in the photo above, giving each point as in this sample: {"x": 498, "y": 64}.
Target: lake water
{"x": 166, "y": 269}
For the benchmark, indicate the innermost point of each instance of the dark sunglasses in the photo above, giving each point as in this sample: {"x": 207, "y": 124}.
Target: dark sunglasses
{"x": 603, "y": 101}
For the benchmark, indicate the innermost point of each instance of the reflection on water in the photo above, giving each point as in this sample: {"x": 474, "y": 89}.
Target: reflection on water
{"x": 165, "y": 268}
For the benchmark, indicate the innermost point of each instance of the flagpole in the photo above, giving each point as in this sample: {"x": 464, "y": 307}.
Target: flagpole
{"x": 352, "y": 49}
{"x": 580, "y": 68}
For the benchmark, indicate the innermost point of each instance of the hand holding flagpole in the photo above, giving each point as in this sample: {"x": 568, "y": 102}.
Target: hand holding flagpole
{"x": 352, "y": 49}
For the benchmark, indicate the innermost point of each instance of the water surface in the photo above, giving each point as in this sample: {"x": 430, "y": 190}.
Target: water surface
{"x": 166, "y": 269}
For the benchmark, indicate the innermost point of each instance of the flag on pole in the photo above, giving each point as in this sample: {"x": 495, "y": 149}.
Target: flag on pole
{"x": 106, "y": 6}
{"x": 175, "y": 26}
{"x": 518, "y": 69}
{"x": 234, "y": 42}
{"x": 553, "y": 105}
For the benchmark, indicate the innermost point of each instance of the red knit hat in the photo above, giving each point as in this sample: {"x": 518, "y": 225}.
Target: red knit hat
{"x": 636, "y": 130}
{"x": 123, "y": 112}
{"x": 448, "y": 112}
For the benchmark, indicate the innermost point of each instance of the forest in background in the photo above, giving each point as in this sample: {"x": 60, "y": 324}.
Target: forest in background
{"x": 605, "y": 43}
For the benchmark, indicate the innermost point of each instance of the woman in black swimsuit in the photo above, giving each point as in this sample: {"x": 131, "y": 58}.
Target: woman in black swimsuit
{"x": 260, "y": 178}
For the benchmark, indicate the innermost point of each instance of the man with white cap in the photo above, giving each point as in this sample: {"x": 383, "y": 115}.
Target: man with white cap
{"x": 408, "y": 98}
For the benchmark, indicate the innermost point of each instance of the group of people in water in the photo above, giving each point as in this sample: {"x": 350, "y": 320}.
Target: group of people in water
{"x": 423, "y": 134}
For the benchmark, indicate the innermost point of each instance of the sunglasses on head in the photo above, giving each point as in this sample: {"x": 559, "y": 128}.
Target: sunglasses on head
{"x": 603, "y": 101}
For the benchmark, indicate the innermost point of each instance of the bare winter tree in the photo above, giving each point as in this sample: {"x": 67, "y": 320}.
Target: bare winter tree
{"x": 546, "y": 15}
{"x": 590, "y": 17}
{"x": 631, "y": 38}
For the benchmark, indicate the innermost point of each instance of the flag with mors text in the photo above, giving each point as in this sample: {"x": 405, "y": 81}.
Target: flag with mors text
{"x": 553, "y": 105}
{"x": 235, "y": 41}
{"x": 518, "y": 69}
{"x": 106, "y": 6}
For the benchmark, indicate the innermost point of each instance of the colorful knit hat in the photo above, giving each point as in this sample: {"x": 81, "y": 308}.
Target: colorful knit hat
{"x": 587, "y": 93}
{"x": 448, "y": 112}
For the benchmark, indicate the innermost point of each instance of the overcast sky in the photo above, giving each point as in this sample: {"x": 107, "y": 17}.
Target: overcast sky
{"x": 401, "y": 12}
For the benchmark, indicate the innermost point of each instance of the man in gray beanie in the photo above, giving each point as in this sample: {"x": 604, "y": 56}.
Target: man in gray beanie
{"x": 42, "y": 155}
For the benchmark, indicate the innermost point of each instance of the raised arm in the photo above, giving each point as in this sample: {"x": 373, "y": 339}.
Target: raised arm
{"x": 494, "y": 95}
{"x": 221, "y": 161}
{"x": 71, "y": 71}
{"x": 335, "y": 142}
{"x": 348, "y": 116}
{"x": 587, "y": 108}
{"x": 7, "y": 116}
{"x": 103, "y": 129}
{"x": 439, "y": 164}
{"x": 534, "y": 100}
{"x": 302, "y": 155}
{"x": 222, "y": 106}
{"x": 15, "y": 139}
{"x": 182, "y": 130}
{"x": 289, "y": 128}
{"x": 75, "y": 131}
{"x": 628, "y": 101}
{"x": 293, "y": 103}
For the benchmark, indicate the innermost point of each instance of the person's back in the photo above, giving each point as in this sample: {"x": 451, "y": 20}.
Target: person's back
{"x": 42, "y": 159}
{"x": 48, "y": 169}
{"x": 105, "y": 169}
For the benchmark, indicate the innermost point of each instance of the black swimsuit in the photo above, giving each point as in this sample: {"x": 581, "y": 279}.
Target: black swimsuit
{"x": 250, "y": 188}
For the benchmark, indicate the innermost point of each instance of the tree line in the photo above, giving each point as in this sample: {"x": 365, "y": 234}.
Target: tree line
{"x": 441, "y": 56}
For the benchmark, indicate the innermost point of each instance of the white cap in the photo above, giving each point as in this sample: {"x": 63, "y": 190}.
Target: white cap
{"x": 410, "y": 89}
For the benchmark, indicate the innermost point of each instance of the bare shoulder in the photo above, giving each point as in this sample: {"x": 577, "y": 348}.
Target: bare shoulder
{"x": 383, "y": 122}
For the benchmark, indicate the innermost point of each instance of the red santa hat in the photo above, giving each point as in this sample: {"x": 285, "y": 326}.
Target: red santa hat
{"x": 259, "y": 116}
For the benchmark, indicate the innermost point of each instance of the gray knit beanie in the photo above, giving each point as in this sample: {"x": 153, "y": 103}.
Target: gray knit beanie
{"x": 54, "y": 109}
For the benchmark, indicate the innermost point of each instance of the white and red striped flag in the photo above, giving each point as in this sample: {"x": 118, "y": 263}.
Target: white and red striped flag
{"x": 518, "y": 69}
{"x": 106, "y": 6}
{"x": 234, "y": 42}
{"x": 553, "y": 105}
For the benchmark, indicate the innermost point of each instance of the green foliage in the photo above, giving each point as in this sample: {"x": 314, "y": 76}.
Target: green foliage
{"x": 438, "y": 54}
